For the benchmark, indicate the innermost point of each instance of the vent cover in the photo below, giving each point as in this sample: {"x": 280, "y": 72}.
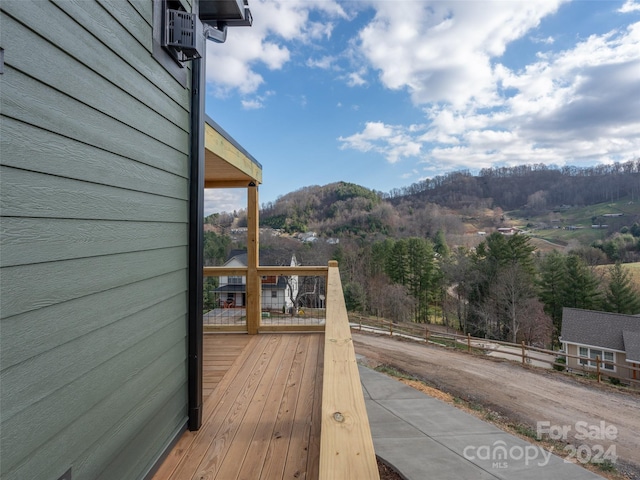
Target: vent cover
{"x": 180, "y": 35}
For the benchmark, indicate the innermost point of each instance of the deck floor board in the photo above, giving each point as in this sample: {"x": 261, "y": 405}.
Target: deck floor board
{"x": 261, "y": 416}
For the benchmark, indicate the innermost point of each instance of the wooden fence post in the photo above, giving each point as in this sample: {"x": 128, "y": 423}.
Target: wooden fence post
{"x": 523, "y": 353}
{"x": 598, "y": 367}
{"x": 469, "y": 342}
{"x": 426, "y": 334}
{"x": 391, "y": 329}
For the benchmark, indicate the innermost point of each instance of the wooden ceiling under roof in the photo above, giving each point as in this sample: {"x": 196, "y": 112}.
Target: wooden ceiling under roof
{"x": 226, "y": 163}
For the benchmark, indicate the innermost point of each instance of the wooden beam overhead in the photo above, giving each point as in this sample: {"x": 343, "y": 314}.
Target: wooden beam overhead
{"x": 226, "y": 163}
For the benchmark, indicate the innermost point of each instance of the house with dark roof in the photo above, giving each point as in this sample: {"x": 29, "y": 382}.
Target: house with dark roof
{"x": 278, "y": 291}
{"x": 612, "y": 337}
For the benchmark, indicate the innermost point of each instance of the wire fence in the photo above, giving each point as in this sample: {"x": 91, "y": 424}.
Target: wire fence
{"x": 286, "y": 301}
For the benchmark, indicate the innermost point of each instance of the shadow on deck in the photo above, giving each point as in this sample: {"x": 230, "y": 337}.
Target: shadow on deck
{"x": 262, "y": 408}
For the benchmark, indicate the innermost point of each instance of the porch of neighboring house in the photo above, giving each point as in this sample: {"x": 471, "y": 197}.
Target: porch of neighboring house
{"x": 262, "y": 408}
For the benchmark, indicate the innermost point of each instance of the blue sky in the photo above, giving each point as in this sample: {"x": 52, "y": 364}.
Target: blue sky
{"x": 386, "y": 93}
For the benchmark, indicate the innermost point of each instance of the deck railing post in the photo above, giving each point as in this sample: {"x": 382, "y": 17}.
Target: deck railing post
{"x": 524, "y": 355}
{"x": 469, "y": 342}
{"x": 254, "y": 287}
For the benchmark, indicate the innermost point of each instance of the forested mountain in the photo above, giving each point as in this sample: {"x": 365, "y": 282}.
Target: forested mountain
{"x": 443, "y": 203}
{"x": 344, "y": 210}
{"x": 434, "y": 251}
{"x": 531, "y": 186}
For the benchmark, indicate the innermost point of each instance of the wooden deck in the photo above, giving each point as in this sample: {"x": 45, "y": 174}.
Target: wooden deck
{"x": 262, "y": 407}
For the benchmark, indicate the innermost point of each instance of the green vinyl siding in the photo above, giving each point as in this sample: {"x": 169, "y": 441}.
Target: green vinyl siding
{"x": 94, "y": 242}
{"x": 61, "y": 156}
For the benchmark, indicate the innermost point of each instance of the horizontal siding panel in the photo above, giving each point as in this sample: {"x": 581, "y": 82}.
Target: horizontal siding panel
{"x": 49, "y": 109}
{"x": 125, "y": 32}
{"x": 148, "y": 442}
{"x": 27, "y": 241}
{"x": 35, "y": 332}
{"x": 31, "y": 194}
{"x": 135, "y": 17}
{"x": 143, "y": 7}
{"x": 30, "y": 148}
{"x": 123, "y": 432}
{"x": 145, "y": 376}
{"x": 57, "y": 282}
{"x": 37, "y": 388}
{"x": 130, "y": 99}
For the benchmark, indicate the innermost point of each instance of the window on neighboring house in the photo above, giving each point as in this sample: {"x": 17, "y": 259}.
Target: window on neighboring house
{"x": 274, "y": 294}
{"x": 588, "y": 357}
{"x": 584, "y": 354}
{"x": 235, "y": 280}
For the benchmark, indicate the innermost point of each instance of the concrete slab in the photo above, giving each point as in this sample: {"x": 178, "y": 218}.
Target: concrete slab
{"x": 423, "y": 437}
{"x": 434, "y": 417}
{"x": 385, "y": 424}
{"x": 507, "y": 456}
{"x": 378, "y": 386}
{"x": 424, "y": 458}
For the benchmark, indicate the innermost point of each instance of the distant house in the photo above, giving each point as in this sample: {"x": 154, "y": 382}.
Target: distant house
{"x": 277, "y": 291}
{"x": 507, "y": 230}
{"x": 612, "y": 337}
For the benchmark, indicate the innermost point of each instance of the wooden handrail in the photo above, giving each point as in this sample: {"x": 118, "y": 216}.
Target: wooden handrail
{"x": 263, "y": 271}
{"x": 286, "y": 271}
{"x": 224, "y": 271}
{"x": 346, "y": 446}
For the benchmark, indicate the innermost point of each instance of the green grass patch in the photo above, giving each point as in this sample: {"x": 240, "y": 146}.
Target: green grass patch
{"x": 394, "y": 372}
{"x": 606, "y": 465}
{"x": 524, "y": 430}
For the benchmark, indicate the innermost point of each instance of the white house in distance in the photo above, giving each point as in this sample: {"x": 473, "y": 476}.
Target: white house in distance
{"x": 613, "y": 337}
{"x": 277, "y": 291}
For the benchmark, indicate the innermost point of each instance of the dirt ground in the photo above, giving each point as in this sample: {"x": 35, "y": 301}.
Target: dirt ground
{"x": 569, "y": 407}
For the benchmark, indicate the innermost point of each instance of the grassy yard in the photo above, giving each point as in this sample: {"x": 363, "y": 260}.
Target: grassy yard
{"x": 557, "y": 221}
{"x": 634, "y": 270}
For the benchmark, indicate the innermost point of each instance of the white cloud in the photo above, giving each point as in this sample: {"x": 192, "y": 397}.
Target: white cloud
{"x": 277, "y": 25}
{"x": 546, "y": 41}
{"x": 391, "y": 141}
{"x": 442, "y": 51}
{"x": 581, "y": 105}
{"x": 254, "y": 104}
{"x": 324, "y": 63}
{"x": 217, "y": 200}
{"x": 354, "y": 79}
{"x": 630, "y": 6}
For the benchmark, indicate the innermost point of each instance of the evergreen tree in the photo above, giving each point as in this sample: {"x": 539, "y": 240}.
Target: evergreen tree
{"x": 580, "y": 289}
{"x": 620, "y": 295}
{"x": 397, "y": 267}
{"x": 440, "y": 244}
{"x": 420, "y": 278}
{"x": 551, "y": 288}
{"x": 504, "y": 284}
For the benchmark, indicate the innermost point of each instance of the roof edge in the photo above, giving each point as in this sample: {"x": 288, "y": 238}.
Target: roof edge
{"x": 230, "y": 139}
